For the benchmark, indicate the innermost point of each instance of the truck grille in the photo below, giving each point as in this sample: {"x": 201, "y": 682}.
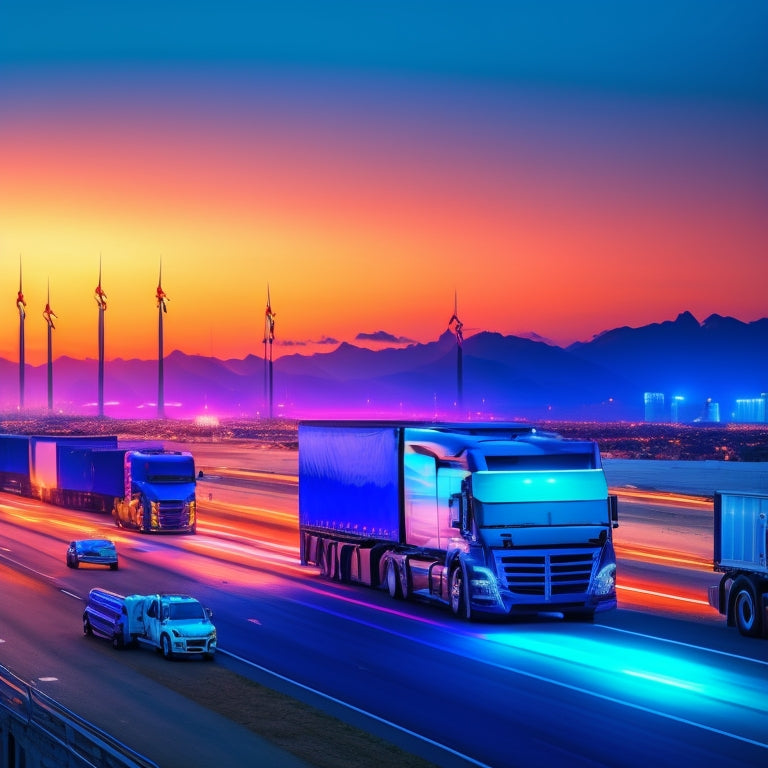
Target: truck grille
{"x": 547, "y": 574}
{"x": 172, "y": 515}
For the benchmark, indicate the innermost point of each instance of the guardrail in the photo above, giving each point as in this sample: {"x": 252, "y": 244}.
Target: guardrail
{"x": 35, "y": 730}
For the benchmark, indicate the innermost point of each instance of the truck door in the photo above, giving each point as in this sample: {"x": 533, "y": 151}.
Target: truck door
{"x": 152, "y": 621}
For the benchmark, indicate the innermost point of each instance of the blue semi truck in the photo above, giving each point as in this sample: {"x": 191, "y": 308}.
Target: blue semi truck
{"x": 147, "y": 489}
{"x": 485, "y": 518}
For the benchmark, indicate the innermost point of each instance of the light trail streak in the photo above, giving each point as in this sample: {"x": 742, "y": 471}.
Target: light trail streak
{"x": 663, "y": 498}
{"x": 666, "y": 596}
{"x": 652, "y": 555}
{"x": 249, "y": 474}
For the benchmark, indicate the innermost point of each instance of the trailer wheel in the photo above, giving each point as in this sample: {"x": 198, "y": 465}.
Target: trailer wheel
{"x": 458, "y": 594}
{"x": 165, "y": 646}
{"x": 745, "y": 609}
{"x": 392, "y": 579}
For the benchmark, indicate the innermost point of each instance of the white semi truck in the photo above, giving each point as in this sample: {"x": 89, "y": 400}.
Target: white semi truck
{"x": 741, "y": 555}
{"x": 485, "y": 518}
{"x": 175, "y": 625}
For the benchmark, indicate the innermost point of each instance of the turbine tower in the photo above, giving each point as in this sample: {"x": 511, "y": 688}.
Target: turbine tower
{"x": 20, "y": 304}
{"x": 455, "y": 325}
{"x": 161, "y": 309}
{"x": 269, "y": 338}
{"x": 101, "y": 300}
{"x": 49, "y": 314}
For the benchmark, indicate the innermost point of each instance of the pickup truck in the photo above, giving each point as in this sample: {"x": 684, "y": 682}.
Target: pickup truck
{"x": 175, "y": 625}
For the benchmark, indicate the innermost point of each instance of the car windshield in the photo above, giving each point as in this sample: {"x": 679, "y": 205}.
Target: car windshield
{"x": 94, "y": 544}
{"x": 187, "y": 611}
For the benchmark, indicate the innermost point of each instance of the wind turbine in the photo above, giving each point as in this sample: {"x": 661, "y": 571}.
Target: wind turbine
{"x": 269, "y": 338}
{"x": 20, "y": 304}
{"x": 101, "y": 300}
{"x": 49, "y": 314}
{"x": 455, "y": 325}
{"x": 161, "y": 309}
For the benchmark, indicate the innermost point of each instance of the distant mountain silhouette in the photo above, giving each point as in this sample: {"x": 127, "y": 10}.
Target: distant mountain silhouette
{"x": 504, "y": 377}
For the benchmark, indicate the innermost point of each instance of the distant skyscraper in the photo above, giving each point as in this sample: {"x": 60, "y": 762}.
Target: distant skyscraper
{"x": 750, "y": 410}
{"x": 711, "y": 411}
{"x": 674, "y": 408}
{"x": 654, "y": 406}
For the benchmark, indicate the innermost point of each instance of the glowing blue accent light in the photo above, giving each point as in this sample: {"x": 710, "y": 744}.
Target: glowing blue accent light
{"x": 550, "y": 485}
{"x": 654, "y": 678}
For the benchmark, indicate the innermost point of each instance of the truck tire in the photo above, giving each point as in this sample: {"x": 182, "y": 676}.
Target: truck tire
{"x": 118, "y": 643}
{"x": 458, "y": 594}
{"x": 745, "y": 609}
{"x": 87, "y": 628}
{"x": 165, "y": 647}
{"x": 392, "y": 580}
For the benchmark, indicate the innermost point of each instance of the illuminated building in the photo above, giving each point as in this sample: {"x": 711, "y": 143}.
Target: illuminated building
{"x": 654, "y": 406}
{"x": 751, "y": 410}
{"x": 711, "y": 411}
{"x": 675, "y": 408}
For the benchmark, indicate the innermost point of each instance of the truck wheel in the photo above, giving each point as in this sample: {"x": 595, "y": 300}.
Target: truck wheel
{"x": 165, "y": 646}
{"x": 117, "y": 641}
{"x": 745, "y": 609}
{"x": 87, "y": 629}
{"x": 393, "y": 581}
{"x": 458, "y": 594}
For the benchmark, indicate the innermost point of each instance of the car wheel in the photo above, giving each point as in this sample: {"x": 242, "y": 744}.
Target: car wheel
{"x": 165, "y": 646}
{"x": 113, "y": 566}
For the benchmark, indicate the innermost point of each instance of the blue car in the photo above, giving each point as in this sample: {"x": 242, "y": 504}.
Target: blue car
{"x": 93, "y": 551}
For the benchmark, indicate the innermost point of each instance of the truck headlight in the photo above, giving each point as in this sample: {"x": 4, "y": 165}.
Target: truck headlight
{"x": 482, "y": 584}
{"x": 605, "y": 581}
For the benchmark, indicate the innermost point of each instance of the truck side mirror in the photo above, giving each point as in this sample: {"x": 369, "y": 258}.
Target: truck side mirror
{"x": 613, "y": 507}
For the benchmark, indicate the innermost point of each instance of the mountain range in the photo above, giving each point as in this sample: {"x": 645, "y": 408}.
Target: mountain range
{"x": 503, "y": 377}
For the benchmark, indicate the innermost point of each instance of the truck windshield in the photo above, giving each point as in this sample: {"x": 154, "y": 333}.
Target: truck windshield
{"x": 181, "y": 611}
{"x": 171, "y": 478}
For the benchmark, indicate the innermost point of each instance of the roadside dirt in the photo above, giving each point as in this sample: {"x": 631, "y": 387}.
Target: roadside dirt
{"x": 313, "y": 736}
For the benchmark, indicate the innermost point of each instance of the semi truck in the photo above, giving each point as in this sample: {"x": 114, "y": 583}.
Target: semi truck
{"x": 741, "y": 555}
{"x": 148, "y": 489}
{"x": 487, "y": 519}
{"x": 175, "y": 625}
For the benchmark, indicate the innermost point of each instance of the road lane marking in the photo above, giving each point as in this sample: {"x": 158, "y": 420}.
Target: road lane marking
{"x": 353, "y": 708}
{"x": 544, "y": 679}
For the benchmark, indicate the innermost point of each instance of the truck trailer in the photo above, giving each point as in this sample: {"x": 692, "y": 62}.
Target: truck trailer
{"x": 488, "y": 519}
{"x": 175, "y": 625}
{"x": 741, "y": 555}
{"x": 147, "y": 489}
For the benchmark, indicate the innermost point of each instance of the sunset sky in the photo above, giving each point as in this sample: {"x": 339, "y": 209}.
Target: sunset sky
{"x": 563, "y": 168}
